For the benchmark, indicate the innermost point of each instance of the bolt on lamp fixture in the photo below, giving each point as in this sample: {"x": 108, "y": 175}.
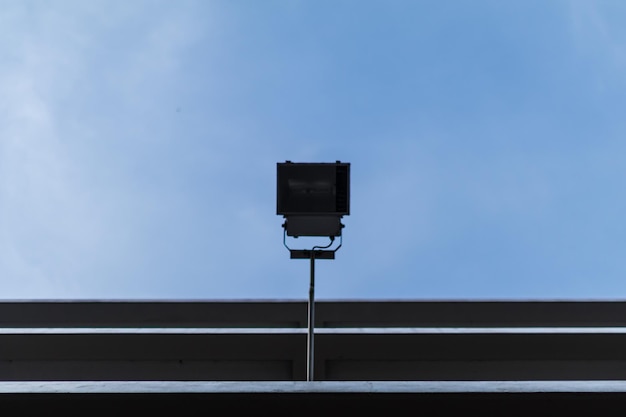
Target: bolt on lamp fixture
{"x": 313, "y": 197}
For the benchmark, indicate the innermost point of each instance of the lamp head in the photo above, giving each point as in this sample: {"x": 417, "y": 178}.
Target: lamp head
{"x": 313, "y": 197}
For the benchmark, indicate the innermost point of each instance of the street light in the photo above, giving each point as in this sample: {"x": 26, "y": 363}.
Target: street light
{"x": 313, "y": 197}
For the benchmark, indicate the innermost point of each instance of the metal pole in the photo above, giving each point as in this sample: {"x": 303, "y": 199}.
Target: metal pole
{"x": 309, "y": 375}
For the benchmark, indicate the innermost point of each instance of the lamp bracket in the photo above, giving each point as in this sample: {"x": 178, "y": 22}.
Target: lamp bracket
{"x": 317, "y": 252}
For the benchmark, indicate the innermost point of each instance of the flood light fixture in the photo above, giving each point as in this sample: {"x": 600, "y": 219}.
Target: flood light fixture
{"x": 313, "y": 197}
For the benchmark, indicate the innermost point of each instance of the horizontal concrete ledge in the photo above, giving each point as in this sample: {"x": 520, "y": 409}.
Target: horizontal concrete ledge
{"x": 327, "y": 331}
{"x": 541, "y": 398}
{"x": 329, "y": 313}
{"x": 317, "y": 387}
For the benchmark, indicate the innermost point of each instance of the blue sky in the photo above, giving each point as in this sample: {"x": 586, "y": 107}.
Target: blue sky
{"x": 139, "y": 142}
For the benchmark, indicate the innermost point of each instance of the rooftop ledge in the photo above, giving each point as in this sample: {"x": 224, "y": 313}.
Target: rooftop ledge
{"x": 328, "y": 331}
{"x": 320, "y": 387}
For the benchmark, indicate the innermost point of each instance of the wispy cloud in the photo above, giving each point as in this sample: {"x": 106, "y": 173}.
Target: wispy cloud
{"x": 46, "y": 221}
{"x": 60, "y": 218}
{"x": 599, "y": 32}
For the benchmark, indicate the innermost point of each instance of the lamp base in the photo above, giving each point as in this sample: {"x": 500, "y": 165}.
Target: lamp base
{"x": 317, "y": 254}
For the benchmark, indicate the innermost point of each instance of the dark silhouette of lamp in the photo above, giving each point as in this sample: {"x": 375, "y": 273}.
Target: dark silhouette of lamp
{"x": 313, "y": 197}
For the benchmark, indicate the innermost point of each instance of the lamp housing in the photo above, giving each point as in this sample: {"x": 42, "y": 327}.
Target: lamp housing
{"x": 313, "y": 196}
{"x": 308, "y": 188}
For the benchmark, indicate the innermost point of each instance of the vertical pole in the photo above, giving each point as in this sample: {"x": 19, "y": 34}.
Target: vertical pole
{"x": 311, "y": 319}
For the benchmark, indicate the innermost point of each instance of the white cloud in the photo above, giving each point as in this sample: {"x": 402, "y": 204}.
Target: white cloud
{"x": 44, "y": 216}
{"x": 599, "y": 31}
{"x": 56, "y": 223}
